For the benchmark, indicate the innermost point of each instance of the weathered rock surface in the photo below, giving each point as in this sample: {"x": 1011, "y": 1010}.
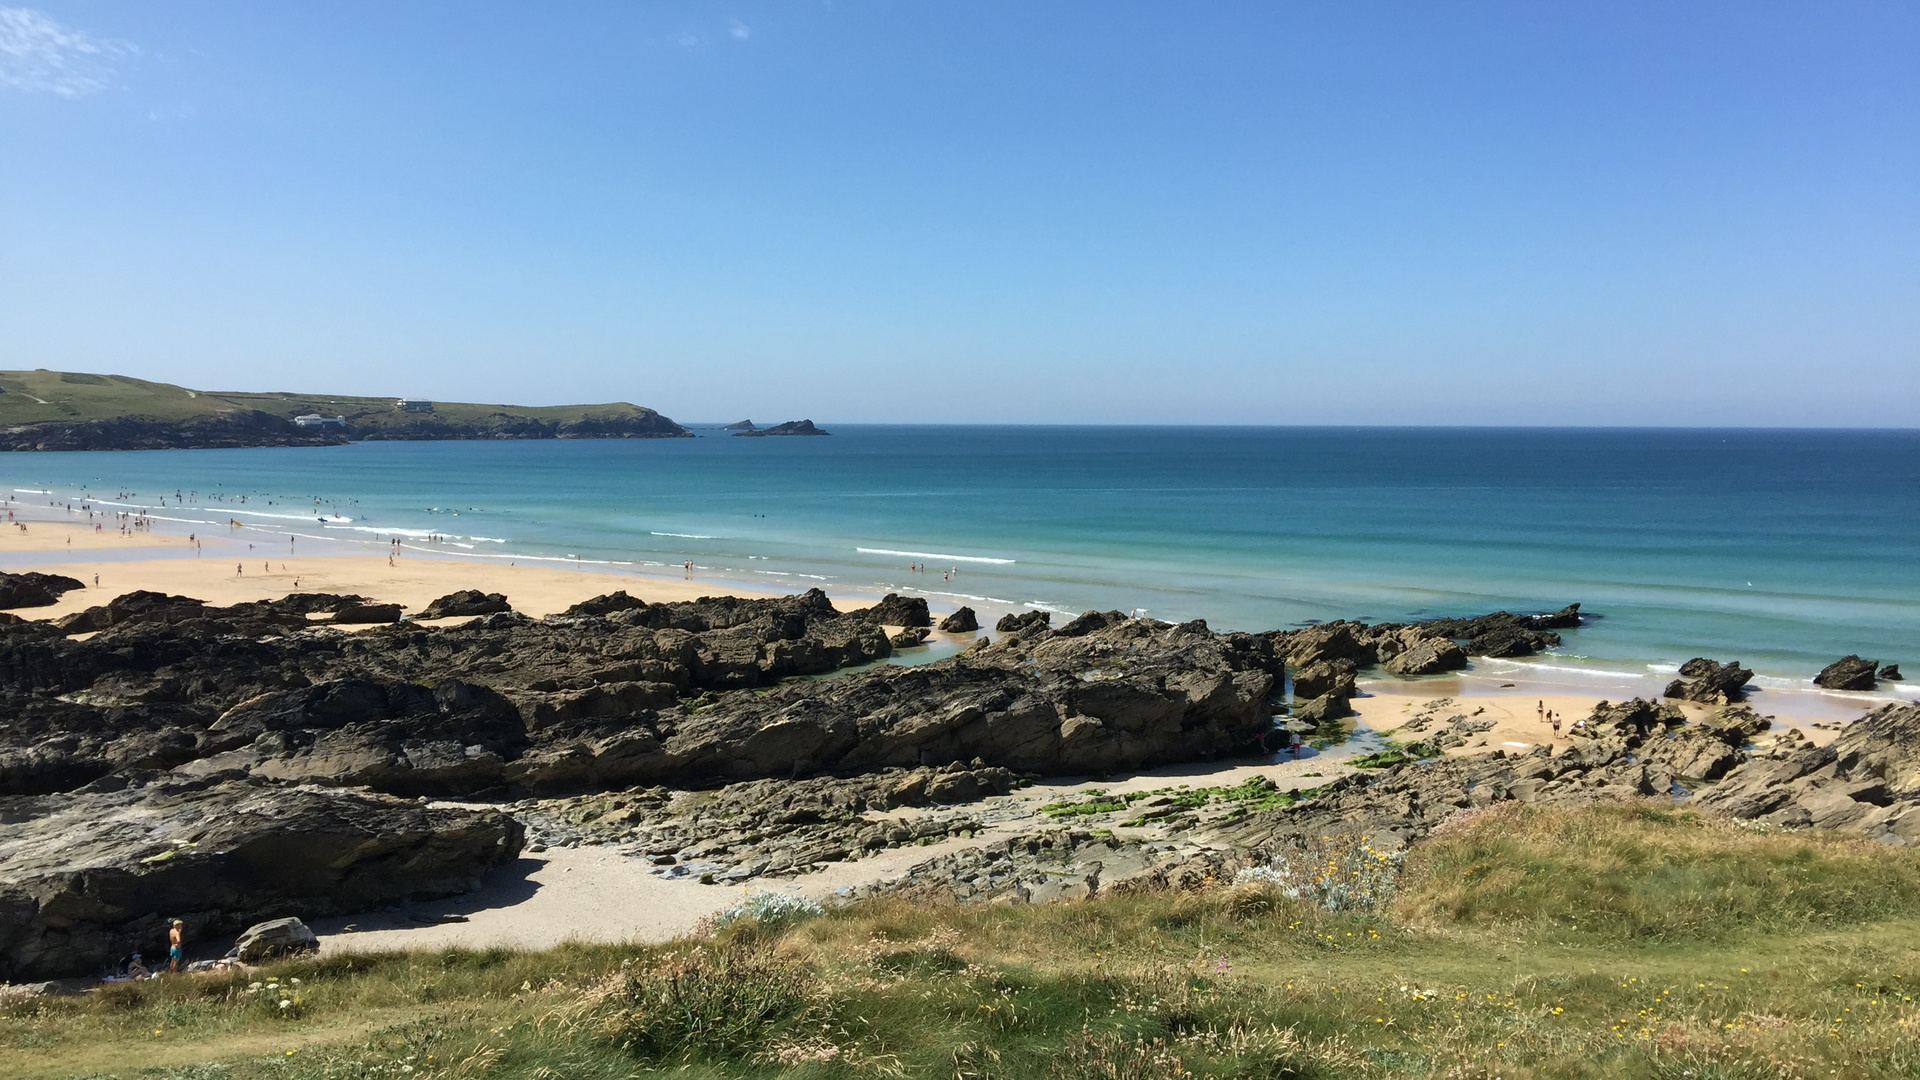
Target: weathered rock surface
{"x": 1847, "y": 673}
{"x": 963, "y": 621}
{"x": 1427, "y": 656}
{"x": 1324, "y": 677}
{"x": 908, "y": 638}
{"x": 1709, "y": 682}
{"x": 364, "y": 614}
{"x": 1867, "y": 780}
{"x": 1430, "y": 646}
{"x": 89, "y": 876}
{"x": 896, "y": 610}
{"x": 1890, "y": 673}
{"x": 1013, "y": 624}
{"x": 34, "y": 589}
{"x": 465, "y": 602}
{"x": 274, "y": 938}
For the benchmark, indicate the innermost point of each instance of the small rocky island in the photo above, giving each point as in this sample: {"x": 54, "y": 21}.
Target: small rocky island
{"x": 791, "y": 427}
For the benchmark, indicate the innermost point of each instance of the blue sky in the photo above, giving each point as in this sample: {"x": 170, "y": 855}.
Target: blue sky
{"x": 1661, "y": 213}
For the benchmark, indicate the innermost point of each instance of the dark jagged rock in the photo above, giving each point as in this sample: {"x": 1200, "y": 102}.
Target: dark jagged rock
{"x": 963, "y": 621}
{"x": 1427, "y": 647}
{"x": 1125, "y": 696}
{"x": 364, "y": 614}
{"x": 605, "y": 604}
{"x": 1328, "y": 706}
{"x": 1014, "y": 624}
{"x": 1890, "y": 673}
{"x": 90, "y": 876}
{"x": 1866, "y": 780}
{"x": 1636, "y": 749}
{"x": 1709, "y": 681}
{"x": 465, "y": 602}
{"x": 1427, "y": 656}
{"x": 134, "y": 607}
{"x": 896, "y": 610}
{"x": 1088, "y": 622}
{"x": 34, "y": 589}
{"x": 791, "y": 427}
{"x": 910, "y": 637}
{"x": 399, "y": 738}
{"x": 1324, "y": 676}
{"x": 1847, "y": 673}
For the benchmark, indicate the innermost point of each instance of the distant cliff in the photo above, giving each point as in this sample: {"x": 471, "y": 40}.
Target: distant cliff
{"x": 64, "y": 410}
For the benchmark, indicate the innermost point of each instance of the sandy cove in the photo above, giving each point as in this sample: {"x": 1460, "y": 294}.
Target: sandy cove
{"x": 594, "y": 893}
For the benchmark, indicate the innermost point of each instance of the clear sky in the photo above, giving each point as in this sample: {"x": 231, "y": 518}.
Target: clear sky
{"x": 1348, "y": 212}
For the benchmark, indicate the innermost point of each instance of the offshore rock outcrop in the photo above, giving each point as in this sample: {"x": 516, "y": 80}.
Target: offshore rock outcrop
{"x": 1423, "y": 648}
{"x": 896, "y": 610}
{"x": 1847, "y": 673}
{"x": 88, "y": 876}
{"x": 1709, "y": 682}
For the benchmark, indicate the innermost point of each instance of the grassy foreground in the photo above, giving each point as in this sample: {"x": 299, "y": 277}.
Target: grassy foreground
{"x": 1609, "y": 942}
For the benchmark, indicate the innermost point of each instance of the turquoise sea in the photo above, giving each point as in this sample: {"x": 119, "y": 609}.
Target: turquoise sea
{"x": 1783, "y": 549}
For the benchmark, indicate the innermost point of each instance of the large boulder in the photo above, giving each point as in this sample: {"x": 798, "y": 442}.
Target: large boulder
{"x": 34, "y": 589}
{"x": 90, "y": 876}
{"x": 1322, "y": 677}
{"x": 1890, "y": 673}
{"x": 1847, "y": 673}
{"x": 963, "y": 621}
{"x": 1709, "y": 682}
{"x": 465, "y": 602}
{"x": 896, "y": 610}
{"x": 273, "y": 939}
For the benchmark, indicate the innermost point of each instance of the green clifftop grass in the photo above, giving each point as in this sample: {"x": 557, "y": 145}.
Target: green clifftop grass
{"x": 1474, "y": 969}
{"x": 30, "y": 397}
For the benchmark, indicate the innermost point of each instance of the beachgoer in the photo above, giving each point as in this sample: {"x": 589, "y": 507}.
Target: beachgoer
{"x": 238, "y": 570}
{"x": 137, "y": 968}
{"x": 176, "y": 954}
{"x": 1540, "y": 707}
{"x": 96, "y": 581}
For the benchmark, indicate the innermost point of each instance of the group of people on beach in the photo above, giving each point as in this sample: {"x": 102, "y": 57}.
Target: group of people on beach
{"x": 945, "y": 575}
{"x": 1548, "y": 715}
{"x": 135, "y": 966}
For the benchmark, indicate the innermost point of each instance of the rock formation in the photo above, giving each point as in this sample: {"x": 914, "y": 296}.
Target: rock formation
{"x": 465, "y": 602}
{"x": 896, "y": 610}
{"x": 1709, "y": 682}
{"x": 90, "y": 875}
{"x": 791, "y": 427}
{"x": 1867, "y": 780}
{"x": 1847, "y": 673}
{"x": 963, "y": 621}
{"x": 34, "y": 589}
{"x": 1012, "y": 624}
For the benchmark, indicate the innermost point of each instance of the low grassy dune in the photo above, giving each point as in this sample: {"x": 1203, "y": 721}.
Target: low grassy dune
{"x": 1619, "y": 941}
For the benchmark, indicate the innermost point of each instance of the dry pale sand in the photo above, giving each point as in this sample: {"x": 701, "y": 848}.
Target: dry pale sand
{"x": 1517, "y": 718}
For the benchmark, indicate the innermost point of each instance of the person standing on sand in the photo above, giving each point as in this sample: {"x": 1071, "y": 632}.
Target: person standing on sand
{"x": 238, "y": 570}
{"x": 1540, "y": 707}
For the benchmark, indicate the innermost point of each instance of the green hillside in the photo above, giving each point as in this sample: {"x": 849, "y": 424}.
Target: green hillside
{"x": 43, "y": 397}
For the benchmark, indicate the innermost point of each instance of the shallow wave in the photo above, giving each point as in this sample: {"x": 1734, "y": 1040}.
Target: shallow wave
{"x": 934, "y": 555}
{"x": 689, "y": 536}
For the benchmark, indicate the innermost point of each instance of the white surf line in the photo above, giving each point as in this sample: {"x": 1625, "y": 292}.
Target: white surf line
{"x": 935, "y": 555}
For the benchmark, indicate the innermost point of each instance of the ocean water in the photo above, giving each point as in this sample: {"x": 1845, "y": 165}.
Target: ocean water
{"x": 1781, "y": 549}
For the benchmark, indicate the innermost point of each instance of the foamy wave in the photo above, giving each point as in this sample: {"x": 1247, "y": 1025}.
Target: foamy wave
{"x": 690, "y": 536}
{"x": 935, "y": 555}
{"x": 32, "y": 491}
